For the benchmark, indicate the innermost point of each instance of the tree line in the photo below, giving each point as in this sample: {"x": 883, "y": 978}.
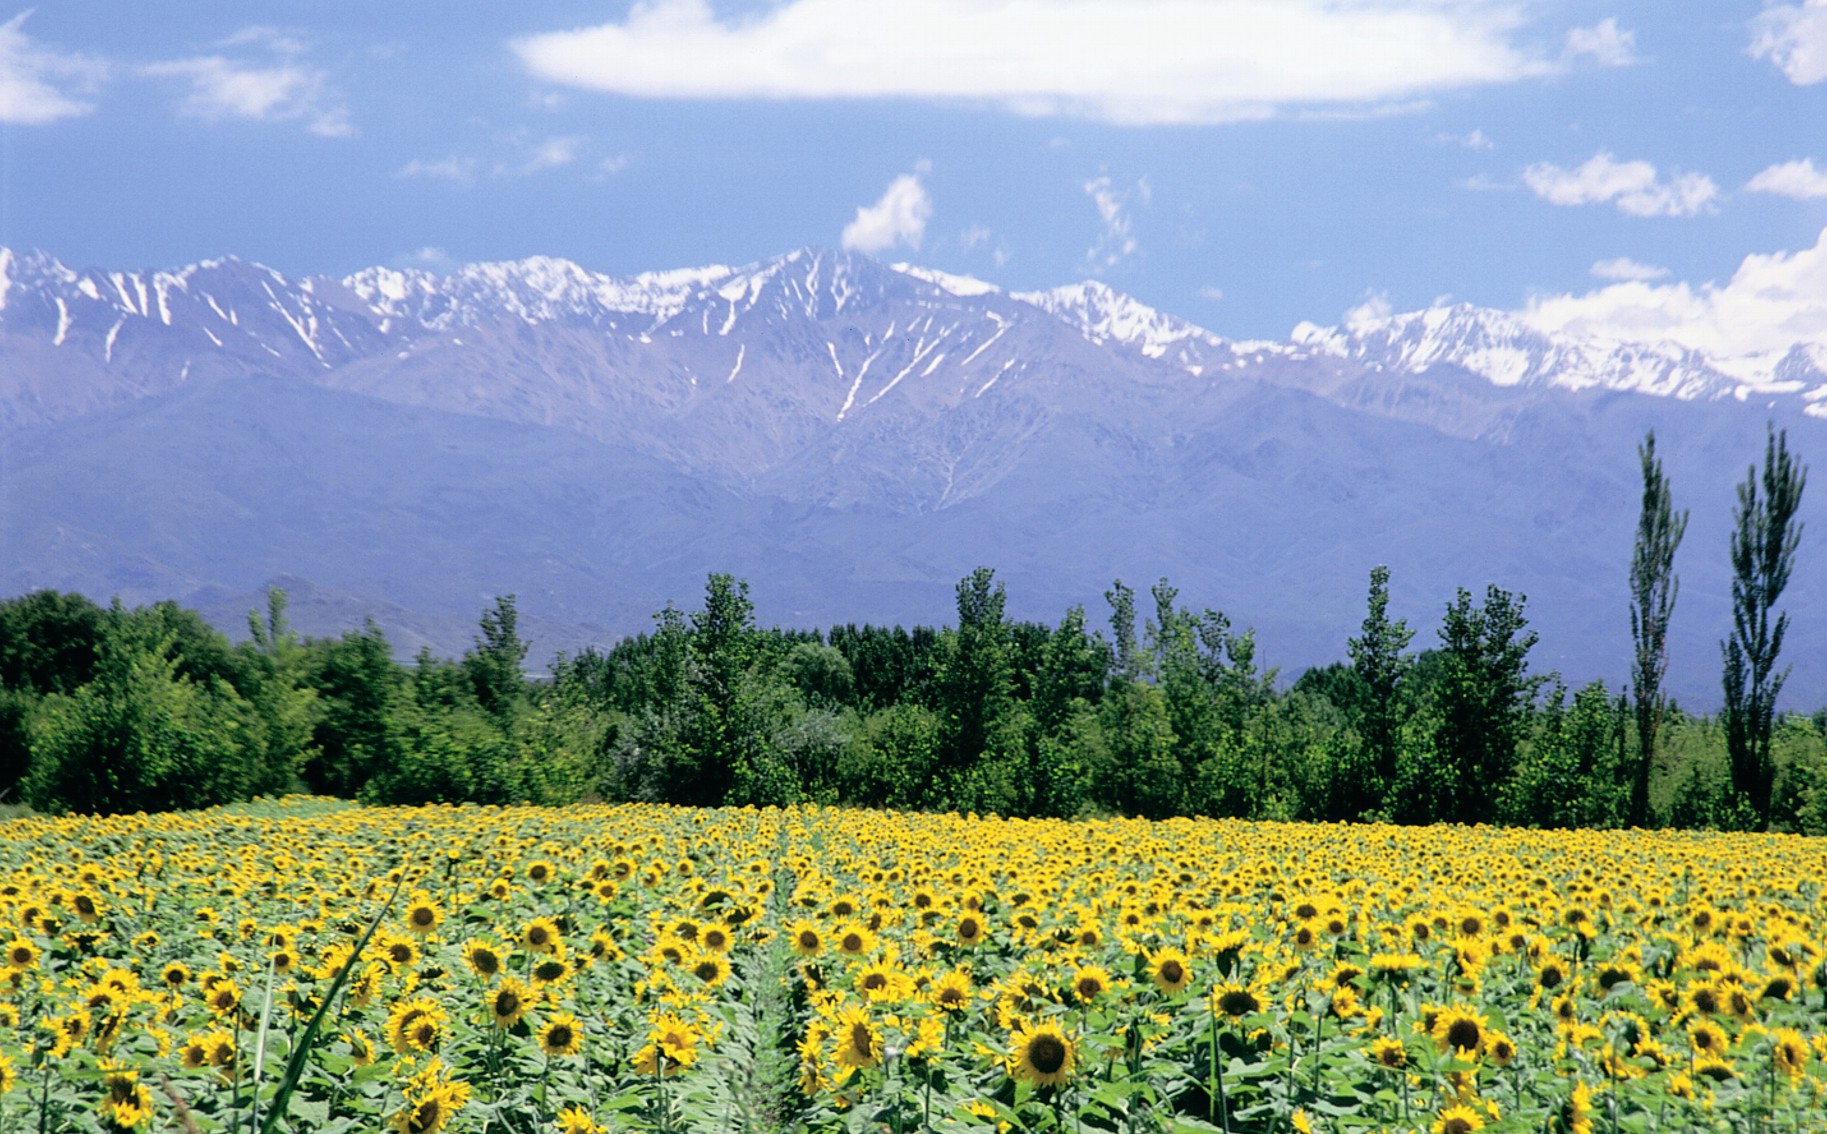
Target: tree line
{"x": 1161, "y": 710}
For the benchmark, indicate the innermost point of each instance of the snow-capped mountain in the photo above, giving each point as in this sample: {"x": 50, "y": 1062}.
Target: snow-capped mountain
{"x": 852, "y": 436}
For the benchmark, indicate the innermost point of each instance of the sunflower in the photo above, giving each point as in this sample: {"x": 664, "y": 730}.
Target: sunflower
{"x": 1394, "y": 968}
{"x": 561, "y": 1035}
{"x": 223, "y": 997}
{"x": 859, "y": 1045}
{"x": 674, "y": 1039}
{"x": 415, "y": 1025}
{"x": 423, "y": 914}
{"x": 710, "y": 968}
{"x": 971, "y": 930}
{"x": 1089, "y": 982}
{"x": 883, "y": 983}
{"x": 541, "y": 935}
{"x": 1500, "y": 1048}
{"x": 1707, "y": 1038}
{"x": 854, "y": 939}
{"x": 575, "y": 1119}
{"x": 1388, "y": 1052}
{"x": 1552, "y": 973}
{"x": 1714, "y": 1068}
{"x": 951, "y": 992}
{"x": 1458, "y": 1120}
{"x": 508, "y": 1002}
{"x": 716, "y": 937}
{"x": 400, "y": 953}
{"x": 431, "y": 1100}
{"x": 483, "y": 957}
{"x": 21, "y": 954}
{"x": 1170, "y": 970}
{"x": 127, "y": 1104}
{"x": 361, "y": 1048}
{"x": 1459, "y": 1031}
{"x": 1576, "y": 1113}
{"x": 1790, "y": 1053}
{"x": 807, "y": 938}
{"x": 1040, "y": 1054}
{"x": 551, "y": 970}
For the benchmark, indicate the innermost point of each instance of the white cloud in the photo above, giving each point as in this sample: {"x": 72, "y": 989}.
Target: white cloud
{"x": 1375, "y": 308}
{"x": 445, "y": 169}
{"x": 1771, "y": 302}
{"x": 1634, "y": 186}
{"x": 1476, "y": 140}
{"x": 39, "y": 85}
{"x": 1117, "y": 241}
{"x": 1211, "y": 294}
{"x": 1794, "y": 37}
{"x": 1604, "y": 43}
{"x": 553, "y": 153}
{"x": 898, "y": 218}
{"x": 1798, "y": 179}
{"x": 974, "y": 237}
{"x": 279, "y": 88}
{"x": 613, "y": 164}
{"x": 1624, "y": 268}
{"x": 1123, "y": 61}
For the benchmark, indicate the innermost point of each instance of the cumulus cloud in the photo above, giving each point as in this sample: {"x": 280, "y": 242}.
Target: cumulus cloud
{"x": 1771, "y": 302}
{"x": 1121, "y": 61}
{"x": 39, "y": 85}
{"x": 898, "y": 218}
{"x": 1624, "y": 268}
{"x": 1798, "y": 179}
{"x": 278, "y": 87}
{"x": 1604, "y": 43}
{"x": 1794, "y": 37}
{"x": 1634, "y": 186}
{"x": 1117, "y": 241}
{"x": 1375, "y": 308}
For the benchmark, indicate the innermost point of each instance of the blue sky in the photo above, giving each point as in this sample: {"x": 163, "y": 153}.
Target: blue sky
{"x": 1247, "y": 164}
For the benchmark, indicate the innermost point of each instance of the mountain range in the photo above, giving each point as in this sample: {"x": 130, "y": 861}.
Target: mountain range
{"x": 852, "y": 437}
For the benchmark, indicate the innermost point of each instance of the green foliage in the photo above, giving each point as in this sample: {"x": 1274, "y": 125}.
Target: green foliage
{"x": 142, "y": 736}
{"x": 1482, "y": 697}
{"x": 1653, "y": 588}
{"x": 1571, "y": 770}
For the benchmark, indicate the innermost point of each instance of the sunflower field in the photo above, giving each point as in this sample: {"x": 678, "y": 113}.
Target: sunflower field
{"x": 308, "y": 965}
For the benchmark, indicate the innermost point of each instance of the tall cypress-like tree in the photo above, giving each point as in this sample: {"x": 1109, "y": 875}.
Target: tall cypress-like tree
{"x": 1764, "y": 537}
{"x": 1380, "y": 665}
{"x": 1653, "y": 587}
{"x": 1483, "y": 696}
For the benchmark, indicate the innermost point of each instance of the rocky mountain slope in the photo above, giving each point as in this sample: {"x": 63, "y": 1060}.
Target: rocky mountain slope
{"x": 852, "y": 437}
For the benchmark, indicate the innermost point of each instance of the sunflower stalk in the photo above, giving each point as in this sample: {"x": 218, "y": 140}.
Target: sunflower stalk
{"x": 266, "y": 1013}
{"x": 301, "y": 1052}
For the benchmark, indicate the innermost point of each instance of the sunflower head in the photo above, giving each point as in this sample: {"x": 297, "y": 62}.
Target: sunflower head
{"x": 561, "y": 1035}
{"x": 1040, "y": 1054}
{"x": 1170, "y": 970}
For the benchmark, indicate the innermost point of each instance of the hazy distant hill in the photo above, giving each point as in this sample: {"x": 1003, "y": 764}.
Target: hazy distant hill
{"x": 852, "y": 437}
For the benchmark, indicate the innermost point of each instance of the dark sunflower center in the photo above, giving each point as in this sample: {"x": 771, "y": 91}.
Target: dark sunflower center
{"x": 1089, "y": 987}
{"x": 487, "y": 963}
{"x": 560, "y": 1035}
{"x": 1706, "y": 1000}
{"x": 874, "y": 981}
{"x": 1237, "y": 1002}
{"x": 1172, "y": 971}
{"x": 427, "y": 1116}
{"x": 1457, "y": 1124}
{"x": 706, "y": 970}
{"x": 862, "y": 1040}
{"x": 1463, "y": 1034}
{"x": 968, "y": 929}
{"x": 552, "y": 970}
{"x": 507, "y": 1003}
{"x": 1047, "y": 1054}
{"x": 1551, "y": 977}
{"x": 853, "y": 943}
{"x": 808, "y": 939}
{"x": 422, "y": 916}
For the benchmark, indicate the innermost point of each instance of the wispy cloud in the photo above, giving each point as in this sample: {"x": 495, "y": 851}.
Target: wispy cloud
{"x": 1634, "y": 186}
{"x": 1117, "y": 241}
{"x": 1604, "y": 43}
{"x": 279, "y": 86}
{"x": 1624, "y": 268}
{"x": 1123, "y": 61}
{"x": 40, "y": 85}
{"x": 452, "y": 168}
{"x": 1476, "y": 140}
{"x": 898, "y": 218}
{"x": 1798, "y": 179}
{"x": 1794, "y": 37}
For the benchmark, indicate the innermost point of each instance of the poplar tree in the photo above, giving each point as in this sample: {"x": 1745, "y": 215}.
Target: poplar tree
{"x": 1653, "y": 587}
{"x": 1764, "y": 538}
